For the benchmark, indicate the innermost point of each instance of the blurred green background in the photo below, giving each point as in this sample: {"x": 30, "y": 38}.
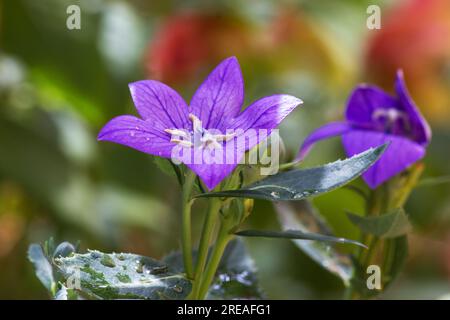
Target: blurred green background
{"x": 58, "y": 87}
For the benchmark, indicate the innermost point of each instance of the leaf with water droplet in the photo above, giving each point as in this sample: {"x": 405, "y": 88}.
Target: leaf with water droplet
{"x": 124, "y": 276}
{"x": 303, "y": 183}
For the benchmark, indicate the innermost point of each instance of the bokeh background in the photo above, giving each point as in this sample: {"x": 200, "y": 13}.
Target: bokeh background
{"x": 59, "y": 86}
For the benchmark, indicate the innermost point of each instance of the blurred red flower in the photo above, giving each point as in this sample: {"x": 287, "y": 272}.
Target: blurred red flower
{"x": 188, "y": 41}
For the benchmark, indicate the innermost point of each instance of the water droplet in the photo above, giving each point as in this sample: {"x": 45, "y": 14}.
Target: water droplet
{"x": 95, "y": 255}
{"x": 132, "y": 133}
{"x": 275, "y": 194}
{"x": 108, "y": 261}
{"x": 224, "y": 277}
{"x": 139, "y": 266}
{"x": 244, "y": 278}
{"x": 177, "y": 289}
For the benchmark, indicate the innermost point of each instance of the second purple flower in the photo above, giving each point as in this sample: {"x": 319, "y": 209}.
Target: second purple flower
{"x": 372, "y": 118}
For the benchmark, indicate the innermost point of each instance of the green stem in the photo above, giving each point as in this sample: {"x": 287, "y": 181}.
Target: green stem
{"x": 222, "y": 240}
{"x": 186, "y": 223}
{"x": 208, "y": 228}
{"x": 374, "y": 205}
{"x": 370, "y": 252}
{"x": 392, "y": 194}
{"x": 388, "y": 251}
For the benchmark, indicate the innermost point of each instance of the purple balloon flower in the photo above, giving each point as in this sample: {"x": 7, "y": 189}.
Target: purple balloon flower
{"x": 374, "y": 117}
{"x": 206, "y": 130}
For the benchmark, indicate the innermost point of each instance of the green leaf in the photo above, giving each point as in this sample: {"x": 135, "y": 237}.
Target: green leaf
{"x": 236, "y": 275}
{"x": 42, "y": 267}
{"x": 301, "y": 215}
{"x": 434, "y": 181}
{"x": 124, "y": 275}
{"x": 302, "y": 183}
{"x": 49, "y": 247}
{"x": 296, "y": 234}
{"x": 166, "y": 166}
{"x": 389, "y": 225}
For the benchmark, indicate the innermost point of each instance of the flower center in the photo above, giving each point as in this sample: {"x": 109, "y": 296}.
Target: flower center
{"x": 198, "y": 137}
{"x": 391, "y": 120}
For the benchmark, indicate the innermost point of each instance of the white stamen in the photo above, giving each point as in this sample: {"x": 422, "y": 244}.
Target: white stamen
{"x": 196, "y": 123}
{"x": 183, "y": 143}
{"x": 391, "y": 114}
{"x": 199, "y": 137}
{"x": 225, "y": 137}
{"x": 178, "y": 132}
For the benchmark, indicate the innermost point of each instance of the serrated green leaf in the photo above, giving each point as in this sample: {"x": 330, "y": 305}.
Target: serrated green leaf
{"x": 296, "y": 234}
{"x": 42, "y": 267}
{"x": 389, "y": 225}
{"x": 303, "y": 183}
{"x": 301, "y": 215}
{"x": 123, "y": 276}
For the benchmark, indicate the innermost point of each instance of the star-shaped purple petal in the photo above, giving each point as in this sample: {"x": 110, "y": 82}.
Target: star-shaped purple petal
{"x": 199, "y": 135}
{"x": 220, "y": 96}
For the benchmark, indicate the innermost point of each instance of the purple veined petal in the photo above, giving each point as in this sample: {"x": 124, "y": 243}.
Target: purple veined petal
{"x": 364, "y": 100}
{"x": 210, "y": 167}
{"x": 220, "y": 96}
{"x": 137, "y": 134}
{"x": 400, "y": 154}
{"x": 420, "y": 129}
{"x": 159, "y": 103}
{"x": 327, "y": 131}
{"x": 258, "y": 119}
{"x": 212, "y": 174}
{"x": 265, "y": 113}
